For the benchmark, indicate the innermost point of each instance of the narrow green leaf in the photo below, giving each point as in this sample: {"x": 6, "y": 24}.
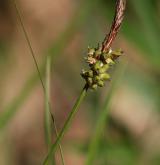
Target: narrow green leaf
{"x": 56, "y": 49}
{"x": 101, "y": 121}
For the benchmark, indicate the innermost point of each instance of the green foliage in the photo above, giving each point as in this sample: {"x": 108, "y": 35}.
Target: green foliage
{"x": 141, "y": 29}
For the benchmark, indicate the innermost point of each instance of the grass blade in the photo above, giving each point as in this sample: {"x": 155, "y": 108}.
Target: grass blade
{"x": 29, "y": 43}
{"x": 47, "y": 120}
{"x": 59, "y": 145}
{"x": 48, "y": 129}
{"x": 56, "y": 49}
{"x": 100, "y": 125}
{"x": 66, "y": 125}
{"x": 46, "y": 90}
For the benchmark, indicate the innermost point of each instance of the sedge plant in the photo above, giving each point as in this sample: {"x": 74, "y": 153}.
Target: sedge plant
{"x": 99, "y": 60}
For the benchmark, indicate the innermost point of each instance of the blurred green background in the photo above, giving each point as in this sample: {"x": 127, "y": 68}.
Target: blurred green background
{"x": 116, "y": 125}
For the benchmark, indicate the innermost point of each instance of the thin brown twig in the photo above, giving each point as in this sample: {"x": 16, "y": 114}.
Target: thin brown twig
{"x": 118, "y": 18}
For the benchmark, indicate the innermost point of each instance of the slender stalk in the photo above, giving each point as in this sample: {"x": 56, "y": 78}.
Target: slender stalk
{"x": 55, "y": 50}
{"x": 49, "y": 117}
{"x": 59, "y": 145}
{"x": 47, "y": 120}
{"x": 48, "y": 128}
{"x": 46, "y": 90}
{"x": 100, "y": 125}
{"x": 67, "y": 124}
{"x": 28, "y": 42}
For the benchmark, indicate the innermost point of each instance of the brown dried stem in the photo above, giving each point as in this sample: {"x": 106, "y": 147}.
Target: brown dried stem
{"x": 118, "y": 18}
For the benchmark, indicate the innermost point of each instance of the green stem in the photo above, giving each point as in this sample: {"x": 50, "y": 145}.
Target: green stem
{"x": 28, "y": 42}
{"x": 47, "y": 120}
{"x": 67, "y": 124}
{"x": 59, "y": 145}
{"x": 56, "y": 49}
{"x": 49, "y": 117}
{"x": 46, "y": 90}
{"x": 48, "y": 129}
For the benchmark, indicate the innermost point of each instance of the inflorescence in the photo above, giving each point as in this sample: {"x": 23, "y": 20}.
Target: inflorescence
{"x": 99, "y": 64}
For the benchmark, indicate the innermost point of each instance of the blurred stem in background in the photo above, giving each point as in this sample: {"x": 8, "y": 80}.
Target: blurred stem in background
{"x": 141, "y": 29}
{"x": 145, "y": 11}
{"x": 140, "y": 23}
{"x": 46, "y": 89}
{"x": 66, "y": 124}
{"x": 19, "y": 15}
{"x": 80, "y": 18}
{"x": 101, "y": 121}
{"x": 48, "y": 119}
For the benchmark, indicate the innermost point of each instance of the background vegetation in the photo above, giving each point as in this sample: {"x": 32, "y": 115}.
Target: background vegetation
{"x": 116, "y": 125}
